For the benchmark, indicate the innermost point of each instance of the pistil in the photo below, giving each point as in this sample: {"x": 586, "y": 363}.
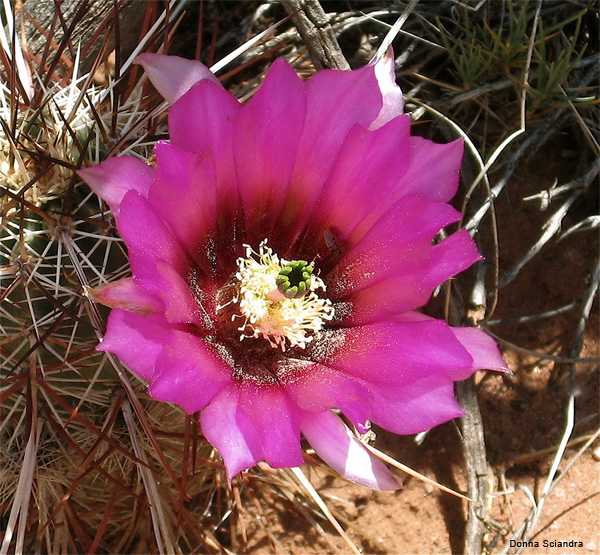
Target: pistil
{"x": 294, "y": 279}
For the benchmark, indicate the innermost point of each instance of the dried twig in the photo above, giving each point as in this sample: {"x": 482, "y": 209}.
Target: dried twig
{"x": 552, "y": 226}
{"x": 479, "y": 475}
{"x": 317, "y": 33}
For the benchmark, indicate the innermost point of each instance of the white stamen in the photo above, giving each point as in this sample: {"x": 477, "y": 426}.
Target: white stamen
{"x": 268, "y": 313}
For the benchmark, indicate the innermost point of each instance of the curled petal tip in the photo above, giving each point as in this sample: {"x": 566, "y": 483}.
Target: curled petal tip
{"x": 126, "y": 295}
{"x": 393, "y": 103}
{"x": 115, "y": 177}
{"x": 484, "y": 350}
{"x": 173, "y": 76}
{"x": 340, "y": 449}
{"x": 384, "y": 57}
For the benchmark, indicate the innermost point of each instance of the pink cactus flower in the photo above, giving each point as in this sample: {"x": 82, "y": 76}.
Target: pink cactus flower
{"x": 279, "y": 250}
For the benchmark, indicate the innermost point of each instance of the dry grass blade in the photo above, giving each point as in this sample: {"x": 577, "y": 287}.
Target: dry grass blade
{"x": 542, "y": 356}
{"x": 527, "y": 68}
{"x": 163, "y": 533}
{"x": 247, "y": 45}
{"x": 395, "y": 29}
{"x": 396, "y": 464}
{"x": 21, "y": 503}
{"x": 297, "y": 472}
{"x": 11, "y": 48}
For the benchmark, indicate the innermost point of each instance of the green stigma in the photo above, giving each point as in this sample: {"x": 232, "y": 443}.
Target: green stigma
{"x": 293, "y": 281}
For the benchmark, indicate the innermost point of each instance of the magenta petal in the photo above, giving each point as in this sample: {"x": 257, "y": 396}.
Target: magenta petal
{"x": 173, "y": 76}
{"x": 482, "y": 348}
{"x": 265, "y": 139}
{"x": 426, "y": 169}
{"x": 416, "y": 407}
{"x": 394, "y": 353}
{"x": 339, "y": 100}
{"x": 393, "y": 104}
{"x": 276, "y": 420}
{"x": 188, "y": 372}
{"x": 184, "y": 195}
{"x": 450, "y": 257}
{"x": 174, "y": 291}
{"x": 134, "y": 218}
{"x": 231, "y": 432}
{"x": 203, "y": 119}
{"x": 405, "y": 292}
{"x": 434, "y": 169}
{"x": 316, "y": 388}
{"x": 136, "y": 340}
{"x": 336, "y": 445}
{"x": 376, "y": 303}
{"x": 114, "y": 178}
{"x": 336, "y": 102}
{"x": 126, "y": 295}
{"x": 366, "y": 157}
{"x": 398, "y": 243}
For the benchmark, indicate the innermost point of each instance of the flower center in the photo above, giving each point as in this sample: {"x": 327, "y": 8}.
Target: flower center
{"x": 277, "y": 299}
